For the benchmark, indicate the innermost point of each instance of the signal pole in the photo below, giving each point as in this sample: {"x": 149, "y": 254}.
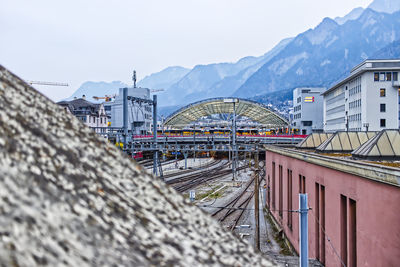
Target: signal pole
{"x": 256, "y": 204}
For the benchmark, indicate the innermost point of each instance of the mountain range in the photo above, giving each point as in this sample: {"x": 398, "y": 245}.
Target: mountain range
{"x": 317, "y": 57}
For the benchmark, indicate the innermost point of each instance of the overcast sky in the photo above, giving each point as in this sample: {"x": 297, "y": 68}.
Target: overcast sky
{"x": 97, "y": 40}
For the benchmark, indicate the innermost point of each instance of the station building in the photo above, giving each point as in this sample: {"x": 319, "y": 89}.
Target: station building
{"x": 307, "y": 110}
{"x": 139, "y": 116}
{"x": 353, "y": 185}
{"x": 367, "y": 100}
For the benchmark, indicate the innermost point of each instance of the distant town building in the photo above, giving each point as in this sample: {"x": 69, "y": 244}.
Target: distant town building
{"x": 139, "y": 116}
{"x": 93, "y": 115}
{"x": 367, "y": 100}
{"x": 308, "y": 110}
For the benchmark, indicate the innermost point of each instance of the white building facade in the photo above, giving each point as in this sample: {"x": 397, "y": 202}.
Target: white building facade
{"x": 308, "y": 110}
{"x": 367, "y": 100}
{"x": 91, "y": 114}
{"x": 139, "y": 115}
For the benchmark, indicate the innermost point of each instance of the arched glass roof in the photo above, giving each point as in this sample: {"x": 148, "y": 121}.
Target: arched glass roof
{"x": 254, "y": 111}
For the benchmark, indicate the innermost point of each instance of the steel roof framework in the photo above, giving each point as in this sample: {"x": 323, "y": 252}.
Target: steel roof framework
{"x": 246, "y": 108}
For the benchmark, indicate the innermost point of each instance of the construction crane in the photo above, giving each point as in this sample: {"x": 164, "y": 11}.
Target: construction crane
{"x": 47, "y": 83}
{"x": 106, "y": 98}
{"x": 156, "y": 90}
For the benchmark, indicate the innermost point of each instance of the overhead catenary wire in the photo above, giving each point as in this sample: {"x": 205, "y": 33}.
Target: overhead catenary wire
{"x": 329, "y": 240}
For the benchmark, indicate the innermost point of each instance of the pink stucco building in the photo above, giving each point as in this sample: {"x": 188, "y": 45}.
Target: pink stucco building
{"x": 353, "y": 204}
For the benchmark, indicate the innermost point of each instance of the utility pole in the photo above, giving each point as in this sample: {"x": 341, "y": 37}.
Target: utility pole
{"x": 234, "y": 152}
{"x": 256, "y": 204}
{"x": 155, "y": 154}
{"x": 303, "y": 207}
{"x": 194, "y": 142}
{"x": 125, "y": 115}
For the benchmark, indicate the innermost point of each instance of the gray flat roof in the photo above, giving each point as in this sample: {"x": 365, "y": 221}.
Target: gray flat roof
{"x": 357, "y": 70}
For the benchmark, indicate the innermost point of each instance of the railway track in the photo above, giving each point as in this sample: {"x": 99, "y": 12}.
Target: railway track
{"x": 180, "y": 173}
{"x": 149, "y": 163}
{"x": 235, "y": 208}
{"x": 188, "y": 182}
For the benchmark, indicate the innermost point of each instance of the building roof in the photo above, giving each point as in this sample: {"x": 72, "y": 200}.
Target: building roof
{"x": 244, "y": 107}
{"x": 70, "y": 198}
{"x": 79, "y": 104}
{"x": 313, "y": 140}
{"x": 344, "y": 142}
{"x": 386, "y": 144}
{"x": 367, "y": 65}
{"x": 366, "y": 170}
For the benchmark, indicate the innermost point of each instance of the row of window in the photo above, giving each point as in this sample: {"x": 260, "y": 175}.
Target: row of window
{"x": 334, "y": 99}
{"x": 92, "y": 119}
{"x": 347, "y": 223}
{"x": 297, "y": 116}
{"x": 385, "y": 76}
{"x": 297, "y": 108}
{"x": 355, "y": 104}
{"x": 355, "y": 90}
{"x": 355, "y": 117}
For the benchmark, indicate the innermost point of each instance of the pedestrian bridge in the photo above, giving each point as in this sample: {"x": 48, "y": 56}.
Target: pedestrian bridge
{"x": 255, "y": 111}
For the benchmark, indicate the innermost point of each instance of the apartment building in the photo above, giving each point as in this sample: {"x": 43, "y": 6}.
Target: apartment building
{"x": 308, "y": 110}
{"x": 91, "y": 114}
{"x": 367, "y": 100}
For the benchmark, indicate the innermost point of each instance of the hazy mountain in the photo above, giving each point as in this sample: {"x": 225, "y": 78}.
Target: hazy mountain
{"x": 220, "y": 79}
{"x": 391, "y": 51}
{"x": 387, "y": 6}
{"x": 325, "y": 54}
{"x": 90, "y": 89}
{"x": 354, "y": 14}
{"x": 163, "y": 79}
{"x": 229, "y": 84}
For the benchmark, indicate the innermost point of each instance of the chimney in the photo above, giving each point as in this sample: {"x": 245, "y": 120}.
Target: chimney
{"x": 84, "y": 97}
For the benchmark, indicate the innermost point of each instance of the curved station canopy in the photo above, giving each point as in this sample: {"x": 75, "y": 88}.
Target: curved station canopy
{"x": 225, "y": 105}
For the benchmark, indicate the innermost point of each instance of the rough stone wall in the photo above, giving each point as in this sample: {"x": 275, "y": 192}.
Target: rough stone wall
{"x": 69, "y": 198}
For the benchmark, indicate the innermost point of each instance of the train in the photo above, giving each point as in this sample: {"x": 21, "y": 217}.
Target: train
{"x": 227, "y": 131}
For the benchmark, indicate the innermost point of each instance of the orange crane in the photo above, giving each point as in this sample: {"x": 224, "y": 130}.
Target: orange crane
{"x": 106, "y": 98}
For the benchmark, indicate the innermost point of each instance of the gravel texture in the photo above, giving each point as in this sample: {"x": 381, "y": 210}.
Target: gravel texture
{"x": 67, "y": 198}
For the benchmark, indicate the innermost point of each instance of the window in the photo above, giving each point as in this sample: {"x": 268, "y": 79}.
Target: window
{"x": 382, "y": 92}
{"x": 383, "y": 107}
{"x": 307, "y": 123}
{"x": 289, "y": 199}
{"x": 280, "y": 203}
{"x": 302, "y": 184}
{"x": 352, "y": 233}
{"x": 395, "y": 76}
{"x": 376, "y": 76}
{"x": 382, "y": 76}
{"x": 273, "y": 185}
{"x": 343, "y": 228}
{"x": 388, "y": 76}
{"x": 383, "y": 123}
